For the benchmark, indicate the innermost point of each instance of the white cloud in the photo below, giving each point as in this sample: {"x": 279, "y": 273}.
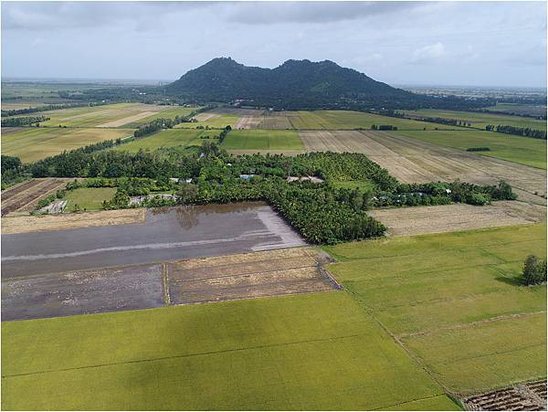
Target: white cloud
{"x": 428, "y": 54}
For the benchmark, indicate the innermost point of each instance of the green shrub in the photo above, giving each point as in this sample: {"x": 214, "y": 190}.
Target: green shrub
{"x": 534, "y": 271}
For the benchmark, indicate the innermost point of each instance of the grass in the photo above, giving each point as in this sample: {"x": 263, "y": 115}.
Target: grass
{"x": 452, "y": 299}
{"x": 345, "y": 120}
{"x": 88, "y": 198}
{"x": 167, "y": 138}
{"x": 263, "y": 141}
{"x": 523, "y": 150}
{"x": 480, "y": 120}
{"x": 34, "y": 143}
{"x": 314, "y": 351}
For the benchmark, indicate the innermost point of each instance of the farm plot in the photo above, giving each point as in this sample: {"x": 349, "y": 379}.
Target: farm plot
{"x": 264, "y": 141}
{"x": 523, "y": 150}
{"x": 348, "y": 120}
{"x": 317, "y": 351}
{"x": 454, "y": 302}
{"x": 530, "y": 397}
{"x": 166, "y": 234}
{"x": 88, "y": 198}
{"x": 82, "y": 292}
{"x": 217, "y": 118}
{"x": 111, "y": 115}
{"x": 44, "y": 223}
{"x": 167, "y": 138}
{"x": 25, "y": 196}
{"x": 414, "y": 161}
{"x": 34, "y": 143}
{"x": 451, "y": 218}
{"x": 244, "y": 276}
{"x": 480, "y": 120}
{"x": 276, "y": 120}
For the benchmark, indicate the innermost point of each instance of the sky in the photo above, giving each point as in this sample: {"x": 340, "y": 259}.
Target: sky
{"x": 403, "y": 43}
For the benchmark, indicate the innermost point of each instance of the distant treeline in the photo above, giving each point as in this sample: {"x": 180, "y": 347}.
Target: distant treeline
{"x": 16, "y": 112}
{"x": 159, "y": 124}
{"x": 518, "y": 131}
{"x": 511, "y": 113}
{"x": 23, "y": 121}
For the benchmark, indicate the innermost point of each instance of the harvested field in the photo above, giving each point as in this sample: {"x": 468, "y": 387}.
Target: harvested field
{"x": 456, "y": 217}
{"x": 202, "y": 117}
{"x": 126, "y": 120}
{"x": 523, "y": 397}
{"x": 166, "y": 234}
{"x": 244, "y": 276}
{"x": 248, "y": 122}
{"x": 275, "y": 120}
{"x": 28, "y": 224}
{"x": 25, "y": 196}
{"x": 413, "y": 161}
{"x": 82, "y": 292}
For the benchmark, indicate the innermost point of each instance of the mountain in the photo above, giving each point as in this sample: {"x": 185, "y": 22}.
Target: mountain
{"x": 294, "y": 84}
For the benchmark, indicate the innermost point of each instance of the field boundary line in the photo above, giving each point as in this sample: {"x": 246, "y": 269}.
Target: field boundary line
{"x": 412, "y": 400}
{"x": 188, "y": 355}
{"x": 472, "y": 324}
{"x": 165, "y": 284}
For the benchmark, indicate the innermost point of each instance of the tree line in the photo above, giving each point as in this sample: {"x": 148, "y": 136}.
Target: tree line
{"x": 23, "y": 121}
{"x": 518, "y": 131}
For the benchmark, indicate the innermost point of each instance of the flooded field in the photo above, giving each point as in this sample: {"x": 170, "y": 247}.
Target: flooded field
{"x": 166, "y": 234}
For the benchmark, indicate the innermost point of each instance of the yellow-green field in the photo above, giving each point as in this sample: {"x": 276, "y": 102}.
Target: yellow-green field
{"x": 168, "y": 138}
{"x": 453, "y": 300}
{"x": 344, "y": 120}
{"x": 480, "y": 120}
{"x": 218, "y": 121}
{"x": 127, "y": 115}
{"x": 34, "y": 143}
{"x": 88, "y": 199}
{"x": 256, "y": 140}
{"x": 316, "y": 351}
{"x": 524, "y": 150}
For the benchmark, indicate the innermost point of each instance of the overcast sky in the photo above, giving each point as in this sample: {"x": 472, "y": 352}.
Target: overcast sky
{"x": 445, "y": 43}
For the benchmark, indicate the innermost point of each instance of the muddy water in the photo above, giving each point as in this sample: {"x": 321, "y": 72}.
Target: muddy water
{"x": 167, "y": 234}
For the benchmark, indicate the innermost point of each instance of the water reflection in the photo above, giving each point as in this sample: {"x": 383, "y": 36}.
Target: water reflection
{"x": 189, "y": 216}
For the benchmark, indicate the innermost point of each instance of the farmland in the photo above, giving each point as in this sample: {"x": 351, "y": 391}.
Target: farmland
{"x": 410, "y": 160}
{"x": 127, "y": 115}
{"x": 314, "y": 351}
{"x": 453, "y": 301}
{"x": 167, "y": 138}
{"x": 253, "y": 141}
{"x": 480, "y": 120}
{"x": 24, "y": 197}
{"x": 34, "y": 143}
{"x": 522, "y": 150}
{"x": 88, "y": 198}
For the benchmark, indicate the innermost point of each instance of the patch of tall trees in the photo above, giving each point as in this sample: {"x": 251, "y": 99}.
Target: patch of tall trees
{"x": 517, "y": 131}
{"x": 23, "y": 121}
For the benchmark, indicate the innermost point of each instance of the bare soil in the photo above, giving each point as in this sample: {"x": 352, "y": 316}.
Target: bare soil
{"x": 25, "y": 224}
{"x": 456, "y": 217}
{"x": 275, "y": 120}
{"x": 81, "y": 292}
{"x": 523, "y": 397}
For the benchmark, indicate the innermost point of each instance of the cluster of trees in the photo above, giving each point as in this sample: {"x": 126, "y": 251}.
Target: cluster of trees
{"x": 534, "y": 271}
{"x": 518, "y": 131}
{"x": 322, "y": 212}
{"x": 443, "y": 120}
{"x": 159, "y": 124}
{"x": 23, "y": 121}
{"x": 223, "y": 133}
{"x": 478, "y": 149}
{"x": 46, "y": 108}
{"x": 12, "y": 171}
{"x": 383, "y": 127}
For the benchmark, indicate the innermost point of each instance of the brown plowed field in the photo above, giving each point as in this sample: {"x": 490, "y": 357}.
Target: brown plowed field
{"x": 24, "y": 197}
{"x": 413, "y": 161}
{"x": 412, "y": 221}
{"x": 248, "y": 122}
{"x": 525, "y": 397}
{"x": 244, "y": 276}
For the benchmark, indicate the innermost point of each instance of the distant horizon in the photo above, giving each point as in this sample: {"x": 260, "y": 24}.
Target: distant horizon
{"x": 469, "y": 44}
{"x": 149, "y": 82}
